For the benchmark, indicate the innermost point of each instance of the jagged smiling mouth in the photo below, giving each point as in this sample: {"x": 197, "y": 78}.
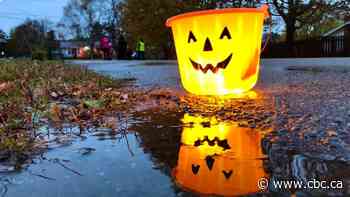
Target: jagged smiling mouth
{"x": 212, "y": 142}
{"x": 214, "y": 69}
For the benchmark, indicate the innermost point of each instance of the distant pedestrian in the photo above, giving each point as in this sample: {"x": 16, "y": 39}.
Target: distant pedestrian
{"x": 122, "y": 48}
{"x": 140, "y": 49}
{"x": 106, "y": 47}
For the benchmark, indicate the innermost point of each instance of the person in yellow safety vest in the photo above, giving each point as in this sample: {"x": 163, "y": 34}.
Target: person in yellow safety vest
{"x": 140, "y": 50}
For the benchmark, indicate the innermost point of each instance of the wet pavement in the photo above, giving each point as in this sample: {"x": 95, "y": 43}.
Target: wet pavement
{"x": 295, "y": 126}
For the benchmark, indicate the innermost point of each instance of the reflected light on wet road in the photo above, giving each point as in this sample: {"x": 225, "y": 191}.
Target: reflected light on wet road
{"x": 219, "y": 158}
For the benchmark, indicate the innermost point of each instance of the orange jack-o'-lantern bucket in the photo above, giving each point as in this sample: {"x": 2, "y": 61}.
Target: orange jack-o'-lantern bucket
{"x": 218, "y": 51}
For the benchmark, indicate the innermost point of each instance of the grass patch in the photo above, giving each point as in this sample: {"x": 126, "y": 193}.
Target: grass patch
{"x": 33, "y": 93}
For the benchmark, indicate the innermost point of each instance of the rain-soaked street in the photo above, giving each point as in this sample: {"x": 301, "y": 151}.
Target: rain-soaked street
{"x": 294, "y": 126}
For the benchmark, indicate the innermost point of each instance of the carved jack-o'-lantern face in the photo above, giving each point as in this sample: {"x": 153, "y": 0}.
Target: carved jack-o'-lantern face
{"x": 219, "y": 158}
{"x": 211, "y": 137}
{"x": 208, "y": 47}
{"x": 218, "y": 50}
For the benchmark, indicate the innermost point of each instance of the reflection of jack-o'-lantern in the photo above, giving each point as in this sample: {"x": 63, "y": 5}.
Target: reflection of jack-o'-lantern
{"x": 219, "y": 158}
{"x": 217, "y": 175}
{"x": 213, "y": 137}
{"x": 218, "y": 50}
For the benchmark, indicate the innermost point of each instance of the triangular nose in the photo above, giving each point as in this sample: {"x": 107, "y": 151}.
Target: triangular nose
{"x": 210, "y": 162}
{"x": 207, "y": 45}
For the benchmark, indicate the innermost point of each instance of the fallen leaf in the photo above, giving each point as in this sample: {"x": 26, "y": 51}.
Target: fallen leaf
{"x": 93, "y": 103}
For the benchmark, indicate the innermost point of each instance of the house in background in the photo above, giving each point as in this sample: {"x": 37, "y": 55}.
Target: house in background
{"x": 338, "y": 31}
{"x": 336, "y": 42}
{"x": 73, "y": 49}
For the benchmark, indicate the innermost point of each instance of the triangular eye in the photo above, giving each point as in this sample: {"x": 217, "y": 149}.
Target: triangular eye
{"x": 226, "y": 33}
{"x": 191, "y": 38}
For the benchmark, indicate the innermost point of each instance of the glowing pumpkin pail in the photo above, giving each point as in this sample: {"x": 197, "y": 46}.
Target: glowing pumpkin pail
{"x": 218, "y": 51}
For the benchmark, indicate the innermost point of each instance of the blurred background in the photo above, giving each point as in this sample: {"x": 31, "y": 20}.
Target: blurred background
{"x": 112, "y": 29}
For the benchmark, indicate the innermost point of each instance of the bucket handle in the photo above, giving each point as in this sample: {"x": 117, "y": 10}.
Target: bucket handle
{"x": 265, "y": 8}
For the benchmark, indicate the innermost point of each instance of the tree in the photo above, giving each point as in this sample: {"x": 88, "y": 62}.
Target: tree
{"x": 27, "y": 37}
{"x": 80, "y": 16}
{"x": 112, "y": 22}
{"x": 297, "y": 14}
{"x": 146, "y": 19}
{"x": 84, "y": 18}
{"x": 212, "y": 4}
{"x": 73, "y": 19}
{"x": 342, "y": 10}
{"x": 30, "y": 37}
{"x": 318, "y": 28}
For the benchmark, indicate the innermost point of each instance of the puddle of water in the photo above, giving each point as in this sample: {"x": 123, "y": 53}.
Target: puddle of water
{"x": 171, "y": 153}
{"x": 110, "y": 170}
{"x": 218, "y": 158}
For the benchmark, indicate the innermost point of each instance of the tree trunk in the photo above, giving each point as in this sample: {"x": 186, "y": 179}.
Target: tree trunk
{"x": 290, "y": 30}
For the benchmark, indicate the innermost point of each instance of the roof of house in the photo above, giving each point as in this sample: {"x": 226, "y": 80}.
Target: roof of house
{"x": 329, "y": 33}
{"x": 71, "y": 44}
{"x": 2, "y": 40}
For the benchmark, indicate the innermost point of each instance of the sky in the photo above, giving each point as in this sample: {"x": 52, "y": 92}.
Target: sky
{"x": 14, "y": 12}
